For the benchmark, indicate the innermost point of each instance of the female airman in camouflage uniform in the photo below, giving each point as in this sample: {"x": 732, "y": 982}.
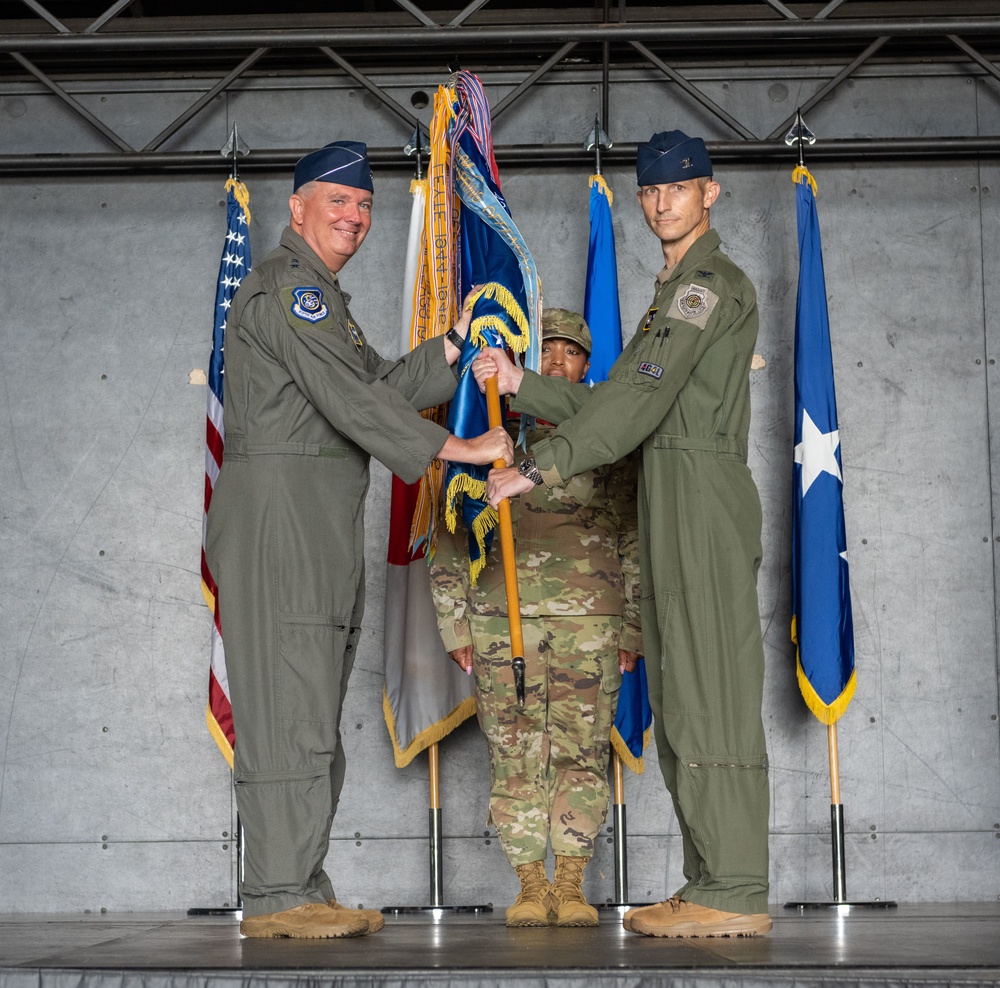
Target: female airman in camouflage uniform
{"x": 577, "y": 568}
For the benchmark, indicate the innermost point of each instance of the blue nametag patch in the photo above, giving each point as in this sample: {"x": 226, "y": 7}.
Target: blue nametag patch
{"x": 309, "y": 304}
{"x": 651, "y": 370}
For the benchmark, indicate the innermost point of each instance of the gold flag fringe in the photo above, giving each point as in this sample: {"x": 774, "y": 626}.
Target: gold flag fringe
{"x": 598, "y": 180}
{"x": 242, "y": 195}
{"x": 430, "y": 735}
{"x": 636, "y": 765}
{"x": 799, "y": 173}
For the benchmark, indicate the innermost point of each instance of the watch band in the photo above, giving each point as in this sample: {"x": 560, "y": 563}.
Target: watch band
{"x": 455, "y": 338}
{"x": 528, "y": 468}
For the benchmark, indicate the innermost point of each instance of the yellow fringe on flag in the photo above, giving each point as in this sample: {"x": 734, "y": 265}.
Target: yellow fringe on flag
{"x": 503, "y": 297}
{"x": 220, "y": 738}
{"x": 482, "y": 524}
{"x": 242, "y": 195}
{"x": 636, "y": 765}
{"x": 825, "y": 713}
{"x": 801, "y": 172}
{"x": 598, "y": 180}
{"x": 430, "y": 735}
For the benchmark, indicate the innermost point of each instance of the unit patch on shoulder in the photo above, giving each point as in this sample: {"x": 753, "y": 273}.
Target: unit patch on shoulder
{"x": 694, "y": 304}
{"x": 649, "y": 318}
{"x": 309, "y": 304}
{"x": 651, "y": 370}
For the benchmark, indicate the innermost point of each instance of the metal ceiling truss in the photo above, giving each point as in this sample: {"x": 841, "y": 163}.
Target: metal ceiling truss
{"x": 637, "y": 35}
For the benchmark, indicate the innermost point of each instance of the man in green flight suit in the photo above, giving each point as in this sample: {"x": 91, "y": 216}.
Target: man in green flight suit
{"x": 681, "y": 390}
{"x": 308, "y": 401}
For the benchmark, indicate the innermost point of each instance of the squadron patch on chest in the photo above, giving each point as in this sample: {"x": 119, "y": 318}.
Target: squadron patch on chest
{"x": 309, "y": 304}
{"x": 651, "y": 370}
{"x": 649, "y": 318}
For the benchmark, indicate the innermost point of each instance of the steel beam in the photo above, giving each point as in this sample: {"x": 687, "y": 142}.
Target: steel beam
{"x": 859, "y": 151}
{"x": 511, "y": 34}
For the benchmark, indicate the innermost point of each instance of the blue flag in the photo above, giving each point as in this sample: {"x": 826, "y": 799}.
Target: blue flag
{"x": 506, "y": 312}
{"x": 634, "y": 718}
{"x": 822, "y": 626}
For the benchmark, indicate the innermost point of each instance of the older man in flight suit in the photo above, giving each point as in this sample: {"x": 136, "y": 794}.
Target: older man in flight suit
{"x": 681, "y": 390}
{"x": 308, "y": 401}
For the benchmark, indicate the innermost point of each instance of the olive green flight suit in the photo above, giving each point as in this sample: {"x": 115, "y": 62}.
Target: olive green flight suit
{"x": 307, "y": 401}
{"x": 681, "y": 389}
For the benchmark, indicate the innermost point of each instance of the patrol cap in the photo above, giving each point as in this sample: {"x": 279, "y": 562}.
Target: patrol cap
{"x": 342, "y": 162}
{"x": 672, "y": 156}
{"x": 566, "y": 325}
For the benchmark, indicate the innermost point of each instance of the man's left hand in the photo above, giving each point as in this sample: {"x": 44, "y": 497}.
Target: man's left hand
{"x": 506, "y": 483}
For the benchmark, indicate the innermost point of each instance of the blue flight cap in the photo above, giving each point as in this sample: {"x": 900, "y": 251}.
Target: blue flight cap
{"x": 672, "y": 156}
{"x": 342, "y": 162}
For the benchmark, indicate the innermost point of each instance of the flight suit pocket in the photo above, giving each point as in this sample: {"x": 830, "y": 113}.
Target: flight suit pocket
{"x": 311, "y": 670}
{"x": 690, "y": 674}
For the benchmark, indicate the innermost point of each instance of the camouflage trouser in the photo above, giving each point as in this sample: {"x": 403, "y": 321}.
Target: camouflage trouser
{"x": 549, "y": 761}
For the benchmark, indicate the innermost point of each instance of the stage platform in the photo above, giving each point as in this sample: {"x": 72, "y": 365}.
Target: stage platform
{"x": 925, "y": 945}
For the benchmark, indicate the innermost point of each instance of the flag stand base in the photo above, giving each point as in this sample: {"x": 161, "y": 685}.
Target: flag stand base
{"x": 841, "y": 902}
{"x": 436, "y": 847}
{"x": 846, "y": 906}
{"x": 228, "y": 910}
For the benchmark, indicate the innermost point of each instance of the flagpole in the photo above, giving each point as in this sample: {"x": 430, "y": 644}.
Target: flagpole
{"x": 827, "y": 605}
{"x": 621, "y": 836}
{"x": 509, "y": 560}
{"x": 836, "y": 818}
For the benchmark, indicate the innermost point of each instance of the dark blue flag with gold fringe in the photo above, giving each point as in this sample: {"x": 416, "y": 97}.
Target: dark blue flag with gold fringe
{"x": 506, "y": 310}
{"x": 822, "y": 623}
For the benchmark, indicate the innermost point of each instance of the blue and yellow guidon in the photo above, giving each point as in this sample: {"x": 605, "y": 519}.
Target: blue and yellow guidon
{"x": 309, "y": 304}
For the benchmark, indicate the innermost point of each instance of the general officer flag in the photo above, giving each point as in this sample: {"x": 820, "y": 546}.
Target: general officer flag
{"x": 426, "y": 696}
{"x": 822, "y": 625}
{"x": 634, "y": 717}
{"x": 233, "y": 267}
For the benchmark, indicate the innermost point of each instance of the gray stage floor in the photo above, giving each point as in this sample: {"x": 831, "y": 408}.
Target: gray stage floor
{"x": 927, "y": 945}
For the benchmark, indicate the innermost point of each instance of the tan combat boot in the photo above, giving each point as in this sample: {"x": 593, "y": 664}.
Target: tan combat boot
{"x": 373, "y": 917}
{"x": 567, "y": 891}
{"x": 676, "y": 917}
{"x": 312, "y": 921}
{"x": 530, "y": 907}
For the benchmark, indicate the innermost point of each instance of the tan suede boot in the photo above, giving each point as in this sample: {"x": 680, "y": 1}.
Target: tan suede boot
{"x": 567, "y": 891}
{"x": 312, "y": 921}
{"x": 373, "y": 917}
{"x": 530, "y": 908}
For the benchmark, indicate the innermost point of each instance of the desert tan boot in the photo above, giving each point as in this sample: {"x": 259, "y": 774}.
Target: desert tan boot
{"x": 531, "y": 905}
{"x": 374, "y": 918}
{"x": 312, "y": 921}
{"x": 572, "y": 908}
{"x": 678, "y": 918}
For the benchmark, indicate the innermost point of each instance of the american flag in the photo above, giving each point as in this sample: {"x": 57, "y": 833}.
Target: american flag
{"x": 233, "y": 268}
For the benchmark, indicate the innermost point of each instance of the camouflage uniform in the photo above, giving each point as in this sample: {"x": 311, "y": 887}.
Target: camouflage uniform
{"x": 577, "y": 569}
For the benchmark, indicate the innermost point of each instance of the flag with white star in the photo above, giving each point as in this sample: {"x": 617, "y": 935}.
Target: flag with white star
{"x": 233, "y": 267}
{"x": 822, "y": 625}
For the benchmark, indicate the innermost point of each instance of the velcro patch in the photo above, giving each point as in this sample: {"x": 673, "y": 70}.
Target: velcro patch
{"x": 649, "y": 318}
{"x": 651, "y": 370}
{"x": 309, "y": 304}
{"x": 694, "y": 304}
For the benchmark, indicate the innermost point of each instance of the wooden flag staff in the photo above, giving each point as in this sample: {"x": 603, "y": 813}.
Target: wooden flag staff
{"x": 509, "y": 561}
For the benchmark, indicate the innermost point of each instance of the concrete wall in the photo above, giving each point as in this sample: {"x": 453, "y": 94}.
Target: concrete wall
{"x": 112, "y": 794}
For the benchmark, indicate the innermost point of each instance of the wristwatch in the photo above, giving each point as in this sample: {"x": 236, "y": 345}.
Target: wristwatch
{"x": 455, "y": 338}
{"x": 528, "y": 468}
